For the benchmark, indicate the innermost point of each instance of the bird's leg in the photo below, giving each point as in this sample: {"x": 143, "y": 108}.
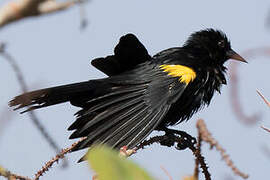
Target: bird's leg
{"x": 172, "y": 134}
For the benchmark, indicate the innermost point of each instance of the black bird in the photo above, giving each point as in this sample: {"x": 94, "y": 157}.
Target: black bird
{"x": 141, "y": 93}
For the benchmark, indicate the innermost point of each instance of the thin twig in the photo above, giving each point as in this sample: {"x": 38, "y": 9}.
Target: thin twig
{"x": 264, "y": 99}
{"x": 266, "y": 129}
{"x": 234, "y": 86}
{"x": 46, "y": 167}
{"x": 83, "y": 19}
{"x": 179, "y": 140}
{"x": 166, "y": 172}
{"x": 20, "y": 9}
{"x": 59, "y": 156}
{"x": 198, "y": 149}
{"x": 201, "y": 160}
{"x": 24, "y": 88}
{"x": 9, "y": 175}
{"x": 235, "y": 99}
{"x": 207, "y": 137}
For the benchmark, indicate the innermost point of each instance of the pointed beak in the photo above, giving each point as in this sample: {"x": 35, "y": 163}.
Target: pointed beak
{"x": 233, "y": 55}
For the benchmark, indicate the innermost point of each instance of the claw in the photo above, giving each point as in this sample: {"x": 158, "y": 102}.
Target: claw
{"x": 125, "y": 152}
{"x": 186, "y": 139}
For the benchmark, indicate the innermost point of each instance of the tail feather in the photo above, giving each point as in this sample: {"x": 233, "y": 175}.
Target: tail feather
{"x": 55, "y": 95}
{"x": 114, "y": 113}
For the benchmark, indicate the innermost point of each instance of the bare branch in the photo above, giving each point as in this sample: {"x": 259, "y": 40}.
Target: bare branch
{"x": 59, "y": 156}
{"x": 83, "y": 19}
{"x": 266, "y": 129}
{"x": 234, "y": 94}
{"x": 11, "y": 176}
{"x": 185, "y": 140}
{"x": 198, "y": 147}
{"x": 166, "y": 172}
{"x": 264, "y": 99}
{"x": 24, "y": 88}
{"x": 201, "y": 161}
{"x": 207, "y": 137}
{"x": 53, "y": 6}
{"x": 20, "y": 9}
{"x": 235, "y": 99}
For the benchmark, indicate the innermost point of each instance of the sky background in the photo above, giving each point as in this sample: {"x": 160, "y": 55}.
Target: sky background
{"x": 52, "y": 50}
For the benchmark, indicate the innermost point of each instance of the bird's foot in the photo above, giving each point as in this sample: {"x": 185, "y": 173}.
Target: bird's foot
{"x": 125, "y": 152}
{"x": 169, "y": 140}
{"x": 173, "y": 136}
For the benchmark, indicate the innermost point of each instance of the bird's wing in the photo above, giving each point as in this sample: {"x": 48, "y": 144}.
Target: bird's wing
{"x": 128, "y": 53}
{"x": 130, "y": 112}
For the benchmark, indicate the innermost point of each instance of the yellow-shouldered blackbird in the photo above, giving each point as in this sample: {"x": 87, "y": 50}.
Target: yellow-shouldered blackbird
{"x": 142, "y": 93}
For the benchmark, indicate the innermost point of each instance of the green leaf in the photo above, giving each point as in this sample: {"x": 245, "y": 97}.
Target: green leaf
{"x": 109, "y": 166}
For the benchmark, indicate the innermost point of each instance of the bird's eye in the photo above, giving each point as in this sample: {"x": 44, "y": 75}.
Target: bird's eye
{"x": 221, "y": 43}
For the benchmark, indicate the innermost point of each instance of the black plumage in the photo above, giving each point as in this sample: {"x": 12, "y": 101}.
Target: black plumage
{"x": 142, "y": 93}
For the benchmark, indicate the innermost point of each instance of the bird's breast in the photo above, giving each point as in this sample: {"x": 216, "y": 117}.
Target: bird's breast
{"x": 197, "y": 93}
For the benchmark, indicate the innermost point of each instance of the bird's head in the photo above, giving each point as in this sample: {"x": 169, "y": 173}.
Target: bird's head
{"x": 215, "y": 44}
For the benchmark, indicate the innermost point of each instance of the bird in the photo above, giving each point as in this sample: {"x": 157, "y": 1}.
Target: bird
{"x": 141, "y": 93}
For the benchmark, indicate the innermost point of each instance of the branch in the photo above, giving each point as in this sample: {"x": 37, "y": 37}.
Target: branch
{"x": 59, "y": 156}
{"x": 234, "y": 89}
{"x": 182, "y": 141}
{"x": 235, "y": 99}
{"x": 20, "y": 9}
{"x": 166, "y": 172}
{"x": 266, "y": 129}
{"x": 207, "y": 137}
{"x": 268, "y": 104}
{"x": 11, "y": 176}
{"x": 198, "y": 147}
{"x": 201, "y": 161}
{"x": 264, "y": 99}
{"x": 24, "y": 88}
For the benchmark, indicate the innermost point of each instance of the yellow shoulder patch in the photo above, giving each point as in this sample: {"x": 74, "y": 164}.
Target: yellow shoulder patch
{"x": 185, "y": 73}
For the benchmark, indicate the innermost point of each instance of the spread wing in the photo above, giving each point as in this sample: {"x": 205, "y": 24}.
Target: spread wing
{"x": 128, "y": 53}
{"x": 130, "y": 112}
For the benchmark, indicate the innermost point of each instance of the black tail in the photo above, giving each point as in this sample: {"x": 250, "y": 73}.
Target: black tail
{"x": 114, "y": 113}
{"x": 75, "y": 93}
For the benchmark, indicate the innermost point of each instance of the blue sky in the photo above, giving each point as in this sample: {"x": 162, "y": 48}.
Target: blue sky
{"x": 51, "y": 50}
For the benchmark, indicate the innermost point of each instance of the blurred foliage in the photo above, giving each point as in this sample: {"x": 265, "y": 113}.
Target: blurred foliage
{"x": 109, "y": 165}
